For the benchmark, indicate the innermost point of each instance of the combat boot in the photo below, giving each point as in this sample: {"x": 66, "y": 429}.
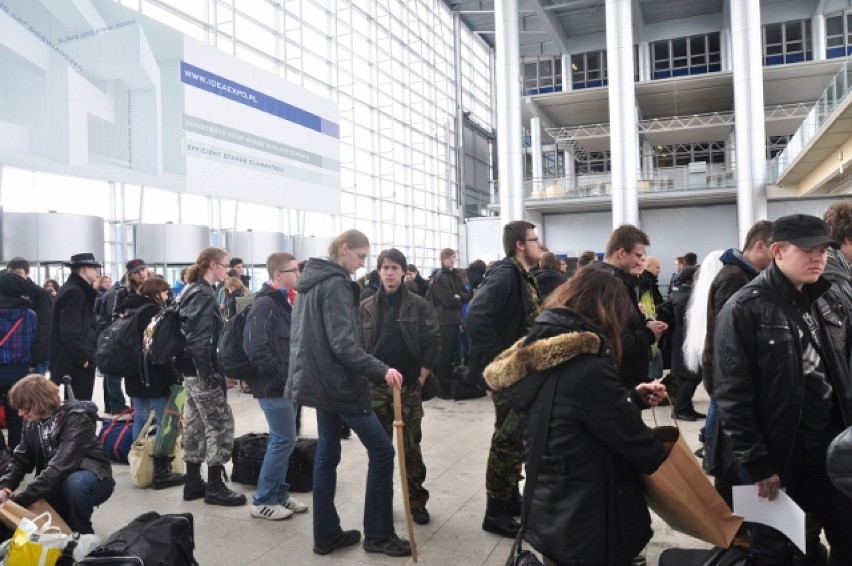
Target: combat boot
{"x": 217, "y": 493}
{"x": 163, "y": 475}
{"x": 498, "y": 519}
{"x": 194, "y": 487}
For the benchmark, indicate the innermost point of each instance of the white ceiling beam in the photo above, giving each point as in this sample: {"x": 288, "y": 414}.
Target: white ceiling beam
{"x": 551, "y": 24}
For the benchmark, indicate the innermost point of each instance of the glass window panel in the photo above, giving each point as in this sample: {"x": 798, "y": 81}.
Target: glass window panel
{"x": 794, "y": 31}
{"x": 773, "y": 34}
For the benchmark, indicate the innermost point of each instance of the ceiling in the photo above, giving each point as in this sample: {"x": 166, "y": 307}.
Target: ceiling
{"x": 546, "y": 25}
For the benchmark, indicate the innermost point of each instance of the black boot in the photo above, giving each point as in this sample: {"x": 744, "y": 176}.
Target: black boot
{"x": 163, "y": 475}
{"x": 217, "y": 493}
{"x": 516, "y": 503}
{"x": 498, "y": 519}
{"x": 194, "y": 486}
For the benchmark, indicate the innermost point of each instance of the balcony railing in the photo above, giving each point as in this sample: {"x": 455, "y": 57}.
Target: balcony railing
{"x": 836, "y": 91}
{"x": 695, "y": 176}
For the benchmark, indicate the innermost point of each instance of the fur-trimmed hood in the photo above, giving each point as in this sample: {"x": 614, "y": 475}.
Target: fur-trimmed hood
{"x": 558, "y": 335}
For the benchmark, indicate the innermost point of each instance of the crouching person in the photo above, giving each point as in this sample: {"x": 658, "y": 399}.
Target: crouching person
{"x": 58, "y": 440}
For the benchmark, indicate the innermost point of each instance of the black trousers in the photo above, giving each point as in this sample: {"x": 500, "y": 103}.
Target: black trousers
{"x": 686, "y": 387}
{"x": 810, "y": 487}
{"x": 450, "y": 342}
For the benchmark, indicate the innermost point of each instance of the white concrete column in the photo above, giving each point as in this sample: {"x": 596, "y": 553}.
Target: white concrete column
{"x": 567, "y": 72}
{"x": 510, "y": 157}
{"x": 622, "y": 108}
{"x": 725, "y": 49}
{"x": 570, "y": 171}
{"x": 749, "y": 127}
{"x": 537, "y": 157}
{"x": 645, "y": 63}
{"x": 818, "y": 36}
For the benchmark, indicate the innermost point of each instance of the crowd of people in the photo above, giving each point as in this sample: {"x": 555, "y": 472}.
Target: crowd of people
{"x": 584, "y": 352}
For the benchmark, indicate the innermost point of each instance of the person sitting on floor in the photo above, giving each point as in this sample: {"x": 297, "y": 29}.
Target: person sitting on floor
{"x": 72, "y": 472}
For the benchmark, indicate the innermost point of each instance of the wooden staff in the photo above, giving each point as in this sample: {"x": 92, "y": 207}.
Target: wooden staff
{"x": 403, "y": 474}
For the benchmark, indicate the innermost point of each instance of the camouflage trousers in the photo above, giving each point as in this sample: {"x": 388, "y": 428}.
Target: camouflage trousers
{"x": 208, "y": 434}
{"x": 412, "y": 418}
{"x": 506, "y": 453}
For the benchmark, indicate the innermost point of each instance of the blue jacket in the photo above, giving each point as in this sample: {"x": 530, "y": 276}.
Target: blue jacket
{"x": 266, "y": 341}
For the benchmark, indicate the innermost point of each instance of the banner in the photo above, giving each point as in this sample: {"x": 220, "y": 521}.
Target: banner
{"x": 94, "y": 89}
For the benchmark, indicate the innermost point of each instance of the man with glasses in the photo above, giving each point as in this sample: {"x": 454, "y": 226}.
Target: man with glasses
{"x": 266, "y": 341}
{"x": 625, "y": 255}
{"x": 503, "y": 309}
{"x": 72, "y": 330}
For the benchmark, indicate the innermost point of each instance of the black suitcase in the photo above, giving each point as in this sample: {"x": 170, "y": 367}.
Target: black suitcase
{"x": 300, "y": 473}
{"x": 734, "y": 556}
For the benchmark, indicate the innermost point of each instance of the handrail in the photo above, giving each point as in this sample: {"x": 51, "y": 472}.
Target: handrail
{"x": 833, "y": 95}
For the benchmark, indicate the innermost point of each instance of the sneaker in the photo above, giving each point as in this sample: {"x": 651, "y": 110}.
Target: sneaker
{"x": 294, "y": 505}
{"x": 271, "y": 512}
{"x": 390, "y": 545}
{"x": 342, "y": 540}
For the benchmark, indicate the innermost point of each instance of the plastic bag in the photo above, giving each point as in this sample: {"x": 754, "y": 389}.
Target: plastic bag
{"x": 34, "y": 545}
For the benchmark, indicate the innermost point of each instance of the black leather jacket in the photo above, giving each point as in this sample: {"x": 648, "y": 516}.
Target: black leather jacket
{"x": 202, "y": 324}
{"x": 329, "y": 369}
{"x": 266, "y": 341}
{"x": 589, "y": 487}
{"x": 758, "y": 375}
{"x": 75, "y": 445}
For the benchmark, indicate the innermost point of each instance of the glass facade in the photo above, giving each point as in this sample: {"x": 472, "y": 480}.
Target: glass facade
{"x": 787, "y": 42}
{"x": 588, "y": 70}
{"x": 693, "y": 55}
{"x": 838, "y": 32}
{"x": 388, "y": 65}
{"x": 542, "y": 75}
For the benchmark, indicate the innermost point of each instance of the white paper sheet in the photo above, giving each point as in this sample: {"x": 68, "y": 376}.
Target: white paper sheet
{"x": 782, "y": 513}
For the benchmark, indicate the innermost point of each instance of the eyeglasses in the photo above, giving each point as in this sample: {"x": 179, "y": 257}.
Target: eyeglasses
{"x": 294, "y": 270}
{"x": 225, "y": 265}
{"x": 531, "y": 240}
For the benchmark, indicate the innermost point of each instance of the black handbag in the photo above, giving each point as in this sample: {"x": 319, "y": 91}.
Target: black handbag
{"x": 519, "y": 556}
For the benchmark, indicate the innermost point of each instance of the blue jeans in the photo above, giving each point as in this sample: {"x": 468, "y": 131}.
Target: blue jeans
{"x": 76, "y": 500}
{"x": 706, "y": 433}
{"x": 272, "y": 486}
{"x": 142, "y": 408}
{"x": 378, "y": 501}
{"x": 114, "y": 400}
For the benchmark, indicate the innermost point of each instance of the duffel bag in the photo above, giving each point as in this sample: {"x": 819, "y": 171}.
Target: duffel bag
{"x": 150, "y": 539}
{"x": 300, "y": 472}
{"x": 116, "y": 435}
{"x": 249, "y": 450}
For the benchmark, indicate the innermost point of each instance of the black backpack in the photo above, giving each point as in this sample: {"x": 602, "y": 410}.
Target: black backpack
{"x": 163, "y": 339}
{"x": 232, "y": 358}
{"x": 119, "y": 346}
{"x": 150, "y": 539}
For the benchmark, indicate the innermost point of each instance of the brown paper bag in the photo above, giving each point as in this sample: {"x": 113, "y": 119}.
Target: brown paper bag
{"x": 683, "y": 496}
{"x": 11, "y": 514}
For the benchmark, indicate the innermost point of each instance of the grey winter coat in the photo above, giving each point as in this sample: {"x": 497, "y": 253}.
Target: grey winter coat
{"x": 329, "y": 369}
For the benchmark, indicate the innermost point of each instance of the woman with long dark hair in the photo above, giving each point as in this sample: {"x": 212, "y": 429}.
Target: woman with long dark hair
{"x": 588, "y": 505}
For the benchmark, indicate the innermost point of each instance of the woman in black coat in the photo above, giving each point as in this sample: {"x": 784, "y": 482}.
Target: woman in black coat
{"x": 588, "y": 505}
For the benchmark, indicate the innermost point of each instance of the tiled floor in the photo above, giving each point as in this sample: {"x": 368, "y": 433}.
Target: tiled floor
{"x": 455, "y": 443}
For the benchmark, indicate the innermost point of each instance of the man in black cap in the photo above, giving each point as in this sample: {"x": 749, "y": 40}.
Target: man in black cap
{"x": 781, "y": 382}
{"x": 72, "y": 329}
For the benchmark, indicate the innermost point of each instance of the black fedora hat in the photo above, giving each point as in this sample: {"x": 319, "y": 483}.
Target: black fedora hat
{"x": 83, "y": 260}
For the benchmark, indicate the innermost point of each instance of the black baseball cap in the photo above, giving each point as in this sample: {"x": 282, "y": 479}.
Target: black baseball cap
{"x": 803, "y": 231}
{"x": 135, "y": 265}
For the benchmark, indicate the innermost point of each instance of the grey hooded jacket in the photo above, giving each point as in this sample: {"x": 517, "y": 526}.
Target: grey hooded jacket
{"x": 329, "y": 369}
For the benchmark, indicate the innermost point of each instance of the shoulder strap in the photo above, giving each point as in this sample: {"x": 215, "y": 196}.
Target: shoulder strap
{"x": 12, "y": 330}
{"x": 536, "y": 456}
